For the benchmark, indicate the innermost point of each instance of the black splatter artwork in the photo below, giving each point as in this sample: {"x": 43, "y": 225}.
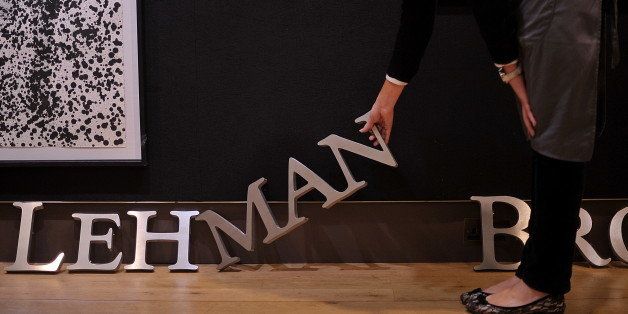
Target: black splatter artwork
{"x": 61, "y": 73}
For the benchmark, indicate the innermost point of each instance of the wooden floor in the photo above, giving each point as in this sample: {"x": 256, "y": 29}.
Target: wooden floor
{"x": 310, "y": 288}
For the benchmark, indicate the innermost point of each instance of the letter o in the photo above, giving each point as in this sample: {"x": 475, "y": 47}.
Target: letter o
{"x": 615, "y": 233}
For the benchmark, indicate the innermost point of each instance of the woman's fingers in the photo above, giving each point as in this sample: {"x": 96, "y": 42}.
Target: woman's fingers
{"x": 381, "y": 130}
{"x": 528, "y": 118}
{"x": 527, "y": 123}
{"x": 531, "y": 119}
{"x": 385, "y": 132}
{"x": 368, "y": 126}
{"x": 372, "y": 137}
{"x": 371, "y": 121}
{"x": 528, "y": 129}
{"x": 388, "y": 131}
{"x": 377, "y": 120}
{"x": 531, "y": 116}
{"x": 531, "y": 131}
{"x": 532, "y": 123}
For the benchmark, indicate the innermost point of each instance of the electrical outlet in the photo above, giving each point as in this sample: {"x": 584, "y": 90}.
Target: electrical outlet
{"x": 472, "y": 231}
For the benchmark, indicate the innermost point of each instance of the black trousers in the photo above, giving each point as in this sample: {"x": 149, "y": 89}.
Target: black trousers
{"x": 554, "y": 220}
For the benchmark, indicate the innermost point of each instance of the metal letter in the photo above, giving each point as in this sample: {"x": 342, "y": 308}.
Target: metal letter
{"x": 617, "y": 239}
{"x": 336, "y": 143}
{"x": 182, "y": 237}
{"x": 489, "y": 231}
{"x": 254, "y": 200}
{"x": 83, "y": 262}
{"x": 21, "y": 259}
{"x": 332, "y": 196}
{"x": 586, "y": 224}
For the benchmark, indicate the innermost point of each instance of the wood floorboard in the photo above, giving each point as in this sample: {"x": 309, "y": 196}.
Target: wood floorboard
{"x": 288, "y": 288}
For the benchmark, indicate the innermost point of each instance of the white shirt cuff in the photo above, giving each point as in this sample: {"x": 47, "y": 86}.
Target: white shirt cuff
{"x": 503, "y": 65}
{"x": 395, "y": 81}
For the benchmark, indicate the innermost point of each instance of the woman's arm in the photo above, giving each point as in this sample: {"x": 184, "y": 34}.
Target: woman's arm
{"x": 519, "y": 88}
{"x": 498, "y": 25}
{"x": 497, "y": 20}
{"x": 415, "y": 30}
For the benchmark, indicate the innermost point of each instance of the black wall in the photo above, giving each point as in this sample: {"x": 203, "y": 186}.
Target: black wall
{"x": 235, "y": 88}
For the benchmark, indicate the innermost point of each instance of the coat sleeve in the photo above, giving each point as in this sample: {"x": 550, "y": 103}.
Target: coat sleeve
{"x": 415, "y": 30}
{"x": 497, "y": 20}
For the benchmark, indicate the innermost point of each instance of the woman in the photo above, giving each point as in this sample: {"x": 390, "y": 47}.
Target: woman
{"x": 558, "y": 42}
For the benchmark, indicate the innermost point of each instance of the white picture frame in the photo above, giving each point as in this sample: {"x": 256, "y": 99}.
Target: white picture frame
{"x": 134, "y": 150}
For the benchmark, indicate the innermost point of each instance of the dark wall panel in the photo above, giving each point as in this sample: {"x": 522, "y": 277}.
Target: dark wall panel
{"x": 233, "y": 89}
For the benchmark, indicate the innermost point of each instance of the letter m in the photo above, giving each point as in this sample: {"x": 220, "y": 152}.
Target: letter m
{"x": 255, "y": 199}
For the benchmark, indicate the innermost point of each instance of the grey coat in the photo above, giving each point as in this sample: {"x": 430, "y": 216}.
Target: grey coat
{"x": 560, "y": 53}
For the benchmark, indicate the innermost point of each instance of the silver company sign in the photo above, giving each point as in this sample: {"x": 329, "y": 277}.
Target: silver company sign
{"x": 257, "y": 202}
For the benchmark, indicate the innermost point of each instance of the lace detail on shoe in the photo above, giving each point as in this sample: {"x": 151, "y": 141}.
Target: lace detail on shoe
{"x": 471, "y": 296}
{"x": 548, "y": 304}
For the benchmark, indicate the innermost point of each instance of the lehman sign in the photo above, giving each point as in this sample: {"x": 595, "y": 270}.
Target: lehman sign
{"x": 257, "y": 202}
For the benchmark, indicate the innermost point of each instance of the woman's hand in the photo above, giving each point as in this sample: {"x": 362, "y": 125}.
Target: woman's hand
{"x": 382, "y": 112}
{"x": 518, "y": 86}
{"x": 528, "y": 118}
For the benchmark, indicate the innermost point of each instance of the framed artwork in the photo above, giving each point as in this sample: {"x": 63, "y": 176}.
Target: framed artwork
{"x": 70, "y": 85}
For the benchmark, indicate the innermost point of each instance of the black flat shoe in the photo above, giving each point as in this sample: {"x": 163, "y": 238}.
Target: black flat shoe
{"x": 469, "y": 296}
{"x": 547, "y": 304}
